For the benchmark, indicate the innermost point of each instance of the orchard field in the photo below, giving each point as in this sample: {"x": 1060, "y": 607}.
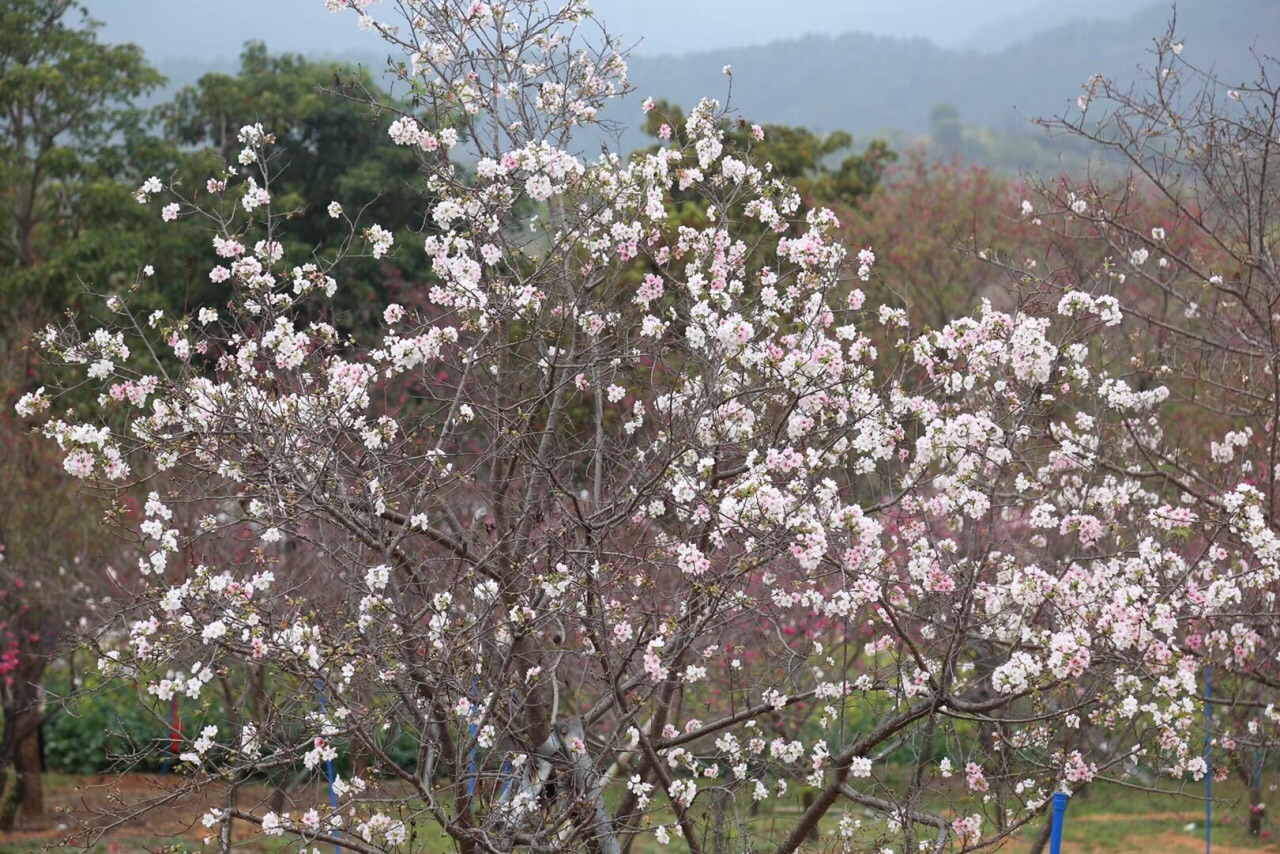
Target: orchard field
{"x": 1107, "y": 819}
{"x": 390, "y": 465}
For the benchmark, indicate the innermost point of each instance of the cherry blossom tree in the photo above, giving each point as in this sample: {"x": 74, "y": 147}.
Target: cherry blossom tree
{"x": 47, "y": 585}
{"x": 688, "y": 533}
{"x": 1187, "y": 239}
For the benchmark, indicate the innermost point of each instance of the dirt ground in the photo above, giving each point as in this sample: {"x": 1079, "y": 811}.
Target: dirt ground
{"x": 84, "y": 810}
{"x": 105, "y": 810}
{"x": 1174, "y": 842}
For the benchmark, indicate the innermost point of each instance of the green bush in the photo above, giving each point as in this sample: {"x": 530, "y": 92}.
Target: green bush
{"x": 102, "y": 727}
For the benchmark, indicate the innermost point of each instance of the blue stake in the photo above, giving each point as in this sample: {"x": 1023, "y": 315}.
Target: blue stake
{"x": 471, "y": 733}
{"x": 328, "y": 767}
{"x": 1059, "y": 819}
{"x": 1257, "y": 769}
{"x": 1257, "y": 779}
{"x": 174, "y": 732}
{"x": 1208, "y": 765}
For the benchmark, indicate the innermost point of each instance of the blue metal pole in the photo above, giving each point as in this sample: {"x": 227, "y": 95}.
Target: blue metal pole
{"x": 471, "y": 733}
{"x": 1208, "y": 764}
{"x": 1059, "y": 819}
{"x": 328, "y": 765}
{"x": 174, "y": 733}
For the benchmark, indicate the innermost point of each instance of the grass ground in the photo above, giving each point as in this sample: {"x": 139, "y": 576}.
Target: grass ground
{"x": 1105, "y": 819}
{"x": 1112, "y": 818}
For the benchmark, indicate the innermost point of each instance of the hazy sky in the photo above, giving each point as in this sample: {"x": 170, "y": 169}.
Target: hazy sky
{"x": 208, "y": 29}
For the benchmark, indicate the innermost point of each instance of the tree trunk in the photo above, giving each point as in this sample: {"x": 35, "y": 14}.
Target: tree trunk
{"x": 1046, "y": 830}
{"x": 26, "y": 763}
{"x": 359, "y": 760}
{"x": 1251, "y": 775}
{"x": 9, "y": 790}
{"x": 20, "y": 753}
{"x": 1042, "y": 838}
{"x": 23, "y": 791}
{"x": 1257, "y": 811}
{"x": 807, "y": 800}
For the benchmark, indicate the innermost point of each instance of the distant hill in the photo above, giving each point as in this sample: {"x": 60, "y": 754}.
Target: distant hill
{"x": 870, "y": 85}
{"x": 863, "y": 84}
{"x": 1031, "y": 19}
{"x": 217, "y": 28}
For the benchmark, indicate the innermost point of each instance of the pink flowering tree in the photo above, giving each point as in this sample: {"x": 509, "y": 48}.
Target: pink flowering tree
{"x": 687, "y": 533}
{"x": 1188, "y": 238}
{"x": 56, "y": 565}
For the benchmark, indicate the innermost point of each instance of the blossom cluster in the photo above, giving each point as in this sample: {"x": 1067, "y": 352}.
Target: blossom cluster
{"x": 607, "y": 457}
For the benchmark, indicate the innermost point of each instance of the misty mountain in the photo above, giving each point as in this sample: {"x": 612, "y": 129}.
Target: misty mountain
{"x": 876, "y": 85}
{"x": 208, "y": 30}
{"x": 864, "y": 84}
{"x": 1027, "y": 21}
